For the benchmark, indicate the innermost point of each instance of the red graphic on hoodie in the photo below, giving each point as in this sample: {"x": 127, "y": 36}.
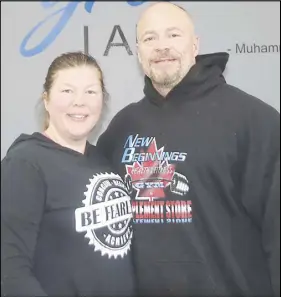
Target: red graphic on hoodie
{"x": 150, "y": 178}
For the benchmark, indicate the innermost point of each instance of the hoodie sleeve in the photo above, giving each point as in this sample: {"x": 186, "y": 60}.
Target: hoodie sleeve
{"x": 22, "y": 204}
{"x": 261, "y": 184}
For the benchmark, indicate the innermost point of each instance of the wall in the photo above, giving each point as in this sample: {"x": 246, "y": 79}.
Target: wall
{"x": 222, "y": 26}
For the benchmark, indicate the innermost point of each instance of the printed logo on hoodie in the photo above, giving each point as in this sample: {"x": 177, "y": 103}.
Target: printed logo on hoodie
{"x": 151, "y": 173}
{"x": 106, "y": 216}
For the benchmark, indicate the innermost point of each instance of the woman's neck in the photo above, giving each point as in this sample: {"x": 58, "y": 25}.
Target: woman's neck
{"x": 73, "y": 144}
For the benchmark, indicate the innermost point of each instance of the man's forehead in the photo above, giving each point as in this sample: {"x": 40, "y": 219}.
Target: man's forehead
{"x": 157, "y": 30}
{"x": 163, "y": 15}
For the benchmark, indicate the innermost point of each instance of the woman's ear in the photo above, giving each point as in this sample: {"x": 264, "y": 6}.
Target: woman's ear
{"x": 45, "y": 99}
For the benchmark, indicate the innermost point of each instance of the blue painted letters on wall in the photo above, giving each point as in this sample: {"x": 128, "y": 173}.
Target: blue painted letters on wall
{"x": 66, "y": 12}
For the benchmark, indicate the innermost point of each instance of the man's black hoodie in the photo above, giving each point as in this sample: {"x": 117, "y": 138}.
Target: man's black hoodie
{"x": 203, "y": 167}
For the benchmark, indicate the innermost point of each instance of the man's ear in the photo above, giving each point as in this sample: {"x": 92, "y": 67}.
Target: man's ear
{"x": 138, "y": 53}
{"x": 196, "y": 46}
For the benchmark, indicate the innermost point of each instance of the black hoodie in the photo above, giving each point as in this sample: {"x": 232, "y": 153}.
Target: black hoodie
{"x": 202, "y": 165}
{"x": 65, "y": 222}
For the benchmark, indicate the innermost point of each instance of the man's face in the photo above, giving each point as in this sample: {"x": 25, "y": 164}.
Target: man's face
{"x": 167, "y": 46}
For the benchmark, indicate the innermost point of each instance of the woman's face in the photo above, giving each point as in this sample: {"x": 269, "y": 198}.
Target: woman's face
{"x": 75, "y": 101}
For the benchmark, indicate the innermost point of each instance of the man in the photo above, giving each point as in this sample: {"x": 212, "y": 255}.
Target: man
{"x": 201, "y": 161}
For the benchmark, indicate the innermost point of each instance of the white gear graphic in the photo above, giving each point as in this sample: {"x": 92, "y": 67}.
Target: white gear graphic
{"x": 123, "y": 227}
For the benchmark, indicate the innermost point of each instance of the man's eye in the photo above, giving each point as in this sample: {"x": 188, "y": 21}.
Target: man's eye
{"x": 175, "y": 35}
{"x": 148, "y": 39}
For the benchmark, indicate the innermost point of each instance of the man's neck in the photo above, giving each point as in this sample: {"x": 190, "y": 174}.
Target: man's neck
{"x": 76, "y": 145}
{"x": 165, "y": 89}
{"x": 162, "y": 90}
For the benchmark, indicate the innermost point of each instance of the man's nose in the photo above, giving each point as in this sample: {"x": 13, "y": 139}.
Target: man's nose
{"x": 162, "y": 45}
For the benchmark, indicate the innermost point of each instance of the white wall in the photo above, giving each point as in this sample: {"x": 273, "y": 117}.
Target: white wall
{"x": 220, "y": 25}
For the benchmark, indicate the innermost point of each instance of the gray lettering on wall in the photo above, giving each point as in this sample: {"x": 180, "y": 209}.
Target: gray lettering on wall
{"x": 123, "y": 43}
{"x": 254, "y": 48}
{"x": 86, "y": 40}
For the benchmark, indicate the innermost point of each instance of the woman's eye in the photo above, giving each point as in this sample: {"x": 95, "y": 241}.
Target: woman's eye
{"x": 91, "y": 92}
{"x": 67, "y": 91}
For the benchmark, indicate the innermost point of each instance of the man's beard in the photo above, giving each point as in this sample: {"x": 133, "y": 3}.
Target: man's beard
{"x": 165, "y": 78}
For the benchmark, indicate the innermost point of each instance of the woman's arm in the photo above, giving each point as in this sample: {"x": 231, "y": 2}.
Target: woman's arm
{"x": 22, "y": 206}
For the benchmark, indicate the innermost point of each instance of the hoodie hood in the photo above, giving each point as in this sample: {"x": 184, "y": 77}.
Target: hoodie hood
{"x": 24, "y": 140}
{"x": 203, "y": 76}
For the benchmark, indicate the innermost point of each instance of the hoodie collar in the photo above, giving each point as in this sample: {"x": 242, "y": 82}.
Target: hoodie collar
{"x": 44, "y": 141}
{"x": 205, "y": 74}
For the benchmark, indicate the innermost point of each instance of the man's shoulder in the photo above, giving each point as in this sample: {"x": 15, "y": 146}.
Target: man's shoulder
{"x": 120, "y": 122}
{"x": 128, "y": 112}
{"x": 131, "y": 108}
{"x": 246, "y": 103}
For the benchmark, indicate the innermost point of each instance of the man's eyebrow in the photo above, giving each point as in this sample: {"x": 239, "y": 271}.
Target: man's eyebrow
{"x": 174, "y": 28}
{"x": 153, "y": 32}
{"x": 148, "y": 32}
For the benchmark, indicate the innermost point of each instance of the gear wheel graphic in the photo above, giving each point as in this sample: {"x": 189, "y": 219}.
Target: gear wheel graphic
{"x": 111, "y": 185}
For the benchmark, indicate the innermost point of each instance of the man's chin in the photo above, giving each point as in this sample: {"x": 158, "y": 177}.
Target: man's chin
{"x": 168, "y": 81}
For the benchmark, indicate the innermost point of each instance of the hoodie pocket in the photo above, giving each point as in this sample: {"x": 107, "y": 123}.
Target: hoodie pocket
{"x": 182, "y": 278}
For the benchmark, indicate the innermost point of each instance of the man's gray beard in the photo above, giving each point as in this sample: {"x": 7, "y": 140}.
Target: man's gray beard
{"x": 166, "y": 80}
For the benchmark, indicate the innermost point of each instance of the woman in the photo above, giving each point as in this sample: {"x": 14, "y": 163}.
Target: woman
{"x": 65, "y": 216}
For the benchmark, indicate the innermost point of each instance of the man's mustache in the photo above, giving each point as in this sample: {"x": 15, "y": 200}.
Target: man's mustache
{"x": 163, "y": 57}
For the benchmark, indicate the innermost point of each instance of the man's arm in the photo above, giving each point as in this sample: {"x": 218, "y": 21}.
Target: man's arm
{"x": 261, "y": 184}
{"x": 271, "y": 230}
